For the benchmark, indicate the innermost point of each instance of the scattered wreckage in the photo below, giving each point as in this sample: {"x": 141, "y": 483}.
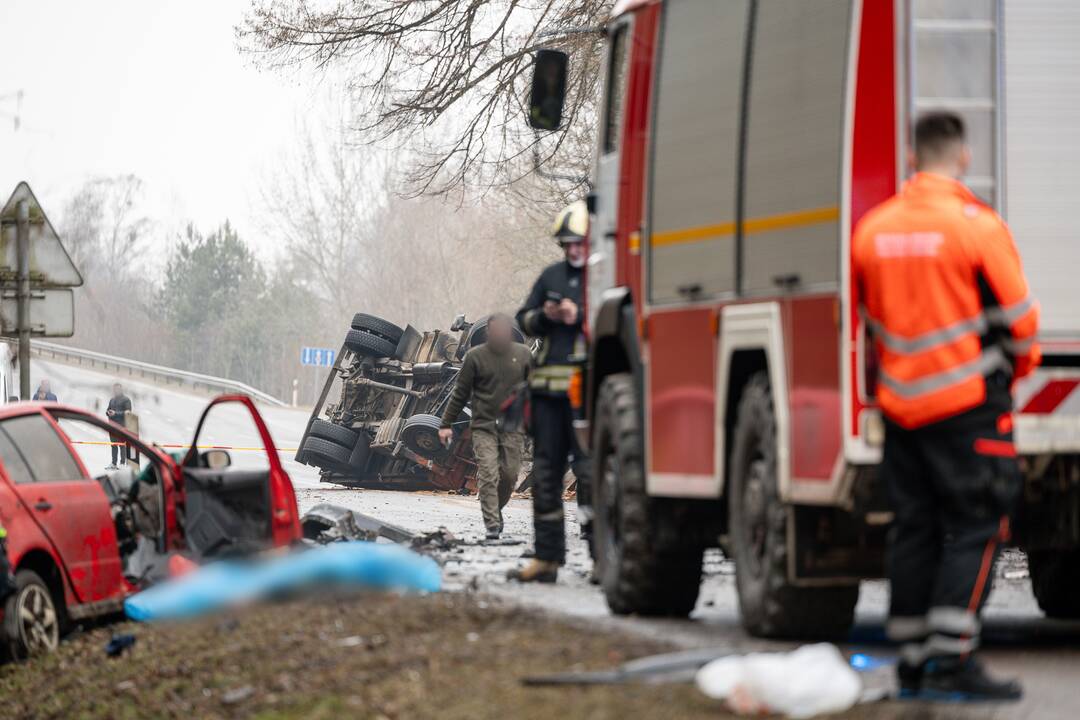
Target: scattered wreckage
{"x": 389, "y": 387}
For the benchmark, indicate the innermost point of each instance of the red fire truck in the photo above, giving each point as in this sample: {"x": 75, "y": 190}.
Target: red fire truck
{"x": 728, "y": 382}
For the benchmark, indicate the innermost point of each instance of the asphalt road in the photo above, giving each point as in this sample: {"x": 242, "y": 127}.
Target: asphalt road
{"x": 1020, "y": 642}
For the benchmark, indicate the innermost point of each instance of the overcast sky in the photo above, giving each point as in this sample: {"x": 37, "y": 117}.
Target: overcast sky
{"x": 150, "y": 87}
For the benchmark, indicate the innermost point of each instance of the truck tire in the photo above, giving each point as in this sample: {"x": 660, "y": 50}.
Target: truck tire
{"x": 329, "y": 431}
{"x": 769, "y": 604}
{"x": 1055, "y": 579}
{"x": 326, "y": 453}
{"x": 362, "y": 342}
{"x": 377, "y": 326}
{"x": 32, "y": 620}
{"x": 421, "y": 435}
{"x": 637, "y": 574}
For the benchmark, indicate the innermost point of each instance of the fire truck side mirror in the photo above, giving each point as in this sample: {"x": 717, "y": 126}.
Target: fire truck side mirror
{"x": 548, "y": 89}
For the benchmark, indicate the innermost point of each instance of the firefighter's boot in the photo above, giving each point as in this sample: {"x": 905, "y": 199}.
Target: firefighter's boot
{"x": 544, "y": 571}
{"x": 965, "y": 680}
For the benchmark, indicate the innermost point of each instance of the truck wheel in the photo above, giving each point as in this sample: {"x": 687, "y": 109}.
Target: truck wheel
{"x": 362, "y": 342}
{"x": 1055, "y": 578}
{"x": 637, "y": 574}
{"x": 377, "y": 326}
{"x": 31, "y": 620}
{"x": 769, "y": 604}
{"x": 421, "y": 435}
{"x": 326, "y": 454}
{"x": 329, "y": 431}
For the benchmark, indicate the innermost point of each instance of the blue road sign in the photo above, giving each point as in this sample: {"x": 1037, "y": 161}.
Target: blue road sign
{"x": 320, "y": 357}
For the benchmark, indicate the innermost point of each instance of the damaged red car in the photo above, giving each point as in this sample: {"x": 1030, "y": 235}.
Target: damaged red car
{"x": 79, "y": 541}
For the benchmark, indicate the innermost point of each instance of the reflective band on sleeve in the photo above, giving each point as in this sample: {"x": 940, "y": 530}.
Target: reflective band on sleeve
{"x": 1019, "y": 347}
{"x": 1008, "y": 314}
{"x": 928, "y": 341}
{"x": 992, "y": 358}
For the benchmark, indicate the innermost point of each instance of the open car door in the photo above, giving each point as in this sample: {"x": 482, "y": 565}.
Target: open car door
{"x": 238, "y": 498}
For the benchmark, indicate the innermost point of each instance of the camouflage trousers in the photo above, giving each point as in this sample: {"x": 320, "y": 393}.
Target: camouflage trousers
{"x": 498, "y": 461}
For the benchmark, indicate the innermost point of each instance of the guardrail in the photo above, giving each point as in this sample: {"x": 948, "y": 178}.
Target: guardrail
{"x": 157, "y": 374}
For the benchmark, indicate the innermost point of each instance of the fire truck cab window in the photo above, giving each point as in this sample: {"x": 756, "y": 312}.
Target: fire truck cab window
{"x": 616, "y": 89}
{"x": 794, "y": 140}
{"x": 694, "y": 157}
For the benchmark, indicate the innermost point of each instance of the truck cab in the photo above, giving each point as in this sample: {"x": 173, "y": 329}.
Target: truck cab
{"x": 739, "y": 143}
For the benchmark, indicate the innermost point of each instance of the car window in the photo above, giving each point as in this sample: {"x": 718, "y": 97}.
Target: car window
{"x": 94, "y": 444}
{"x": 42, "y": 449}
{"x": 12, "y": 459}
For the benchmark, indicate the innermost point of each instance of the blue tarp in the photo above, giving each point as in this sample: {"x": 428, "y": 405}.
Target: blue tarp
{"x": 227, "y": 583}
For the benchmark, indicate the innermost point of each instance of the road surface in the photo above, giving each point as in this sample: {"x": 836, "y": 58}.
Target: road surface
{"x": 1020, "y": 642}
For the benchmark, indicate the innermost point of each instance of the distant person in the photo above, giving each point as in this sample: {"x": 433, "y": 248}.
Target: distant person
{"x": 489, "y": 376}
{"x": 44, "y": 392}
{"x": 119, "y": 406}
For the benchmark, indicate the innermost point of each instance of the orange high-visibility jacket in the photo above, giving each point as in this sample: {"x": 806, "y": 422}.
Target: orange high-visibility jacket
{"x": 942, "y": 291}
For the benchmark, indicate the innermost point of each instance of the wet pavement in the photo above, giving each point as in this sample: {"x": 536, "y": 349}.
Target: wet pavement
{"x": 1020, "y": 642}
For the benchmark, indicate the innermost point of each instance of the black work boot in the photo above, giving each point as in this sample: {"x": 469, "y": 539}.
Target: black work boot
{"x": 911, "y": 677}
{"x": 965, "y": 680}
{"x": 544, "y": 571}
{"x": 493, "y": 533}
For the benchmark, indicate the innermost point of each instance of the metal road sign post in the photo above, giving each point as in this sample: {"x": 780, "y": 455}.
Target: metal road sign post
{"x": 36, "y": 273}
{"x": 317, "y": 357}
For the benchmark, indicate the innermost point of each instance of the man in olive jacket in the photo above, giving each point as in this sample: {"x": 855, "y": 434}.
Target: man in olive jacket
{"x": 489, "y": 375}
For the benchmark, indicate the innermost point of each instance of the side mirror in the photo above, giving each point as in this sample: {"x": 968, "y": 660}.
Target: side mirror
{"x": 548, "y": 89}
{"x": 217, "y": 459}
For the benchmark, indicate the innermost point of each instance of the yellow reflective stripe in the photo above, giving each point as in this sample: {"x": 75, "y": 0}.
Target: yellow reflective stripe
{"x": 782, "y": 221}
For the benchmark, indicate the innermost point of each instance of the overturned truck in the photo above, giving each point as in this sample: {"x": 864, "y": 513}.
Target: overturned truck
{"x": 389, "y": 387}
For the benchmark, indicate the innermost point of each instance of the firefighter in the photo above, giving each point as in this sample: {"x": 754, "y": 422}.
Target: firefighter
{"x": 943, "y": 293}
{"x": 553, "y": 312}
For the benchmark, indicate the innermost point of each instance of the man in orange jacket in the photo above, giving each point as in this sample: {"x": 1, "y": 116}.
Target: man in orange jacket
{"x": 942, "y": 291}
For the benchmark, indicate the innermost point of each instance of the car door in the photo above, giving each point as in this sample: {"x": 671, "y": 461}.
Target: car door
{"x": 241, "y": 501}
{"x": 69, "y": 506}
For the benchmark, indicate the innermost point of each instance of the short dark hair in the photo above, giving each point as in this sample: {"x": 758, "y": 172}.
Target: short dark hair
{"x": 936, "y": 133}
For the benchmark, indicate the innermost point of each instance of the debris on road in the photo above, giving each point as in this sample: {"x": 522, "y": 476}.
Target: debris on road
{"x": 441, "y": 539}
{"x": 812, "y": 680}
{"x": 327, "y": 523}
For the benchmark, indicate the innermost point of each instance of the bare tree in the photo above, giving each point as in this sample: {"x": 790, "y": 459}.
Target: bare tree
{"x": 104, "y": 225}
{"x": 327, "y": 203}
{"x": 444, "y": 79}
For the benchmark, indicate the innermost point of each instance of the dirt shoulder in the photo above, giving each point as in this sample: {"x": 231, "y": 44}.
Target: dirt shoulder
{"x": 445, "y": 656}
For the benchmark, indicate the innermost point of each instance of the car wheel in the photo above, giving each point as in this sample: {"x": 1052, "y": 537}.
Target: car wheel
{"x": 329, "y": 431}
{"x": 769, "y": 604}
{"x": 1055, "y": 579}
{"x": 31, "y": 619}
{"x": 377, "y": 326}
{"x": 362, "y": 342}
{"x": 326, "y": 453}
{"x": 638, "y": 573}
{"x": 421, "y": 435}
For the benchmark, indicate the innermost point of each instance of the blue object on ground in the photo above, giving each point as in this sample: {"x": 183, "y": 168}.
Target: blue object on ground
{"x": 227, "y": 583}
{"x": 863, "y": 662}
{"x": 118, "y": 644}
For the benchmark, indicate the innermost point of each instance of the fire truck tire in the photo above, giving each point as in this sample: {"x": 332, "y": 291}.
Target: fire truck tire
{"x": 329, "y": 431}
{"x": 362, "y": 342}
{"x": 377, "y": 326}
{"x": 638, "y": 574}
{"x": 326, "y": 454}
{"x": 770, "y": 605}
{"x": 1055, "y": 578}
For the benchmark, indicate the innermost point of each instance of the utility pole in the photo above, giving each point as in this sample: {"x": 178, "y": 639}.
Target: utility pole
{"x": 22, "y": 231}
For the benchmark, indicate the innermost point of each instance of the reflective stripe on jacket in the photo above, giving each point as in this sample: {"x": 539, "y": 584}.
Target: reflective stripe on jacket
{"x": 942, "y": 291}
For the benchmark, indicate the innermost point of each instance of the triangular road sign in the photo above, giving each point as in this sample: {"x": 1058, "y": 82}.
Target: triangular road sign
{"x": 50, "y": 264}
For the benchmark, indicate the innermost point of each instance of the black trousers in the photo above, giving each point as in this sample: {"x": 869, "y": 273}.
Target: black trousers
{"x": 953, "y": 486}
{"x": 553, "y": 441}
